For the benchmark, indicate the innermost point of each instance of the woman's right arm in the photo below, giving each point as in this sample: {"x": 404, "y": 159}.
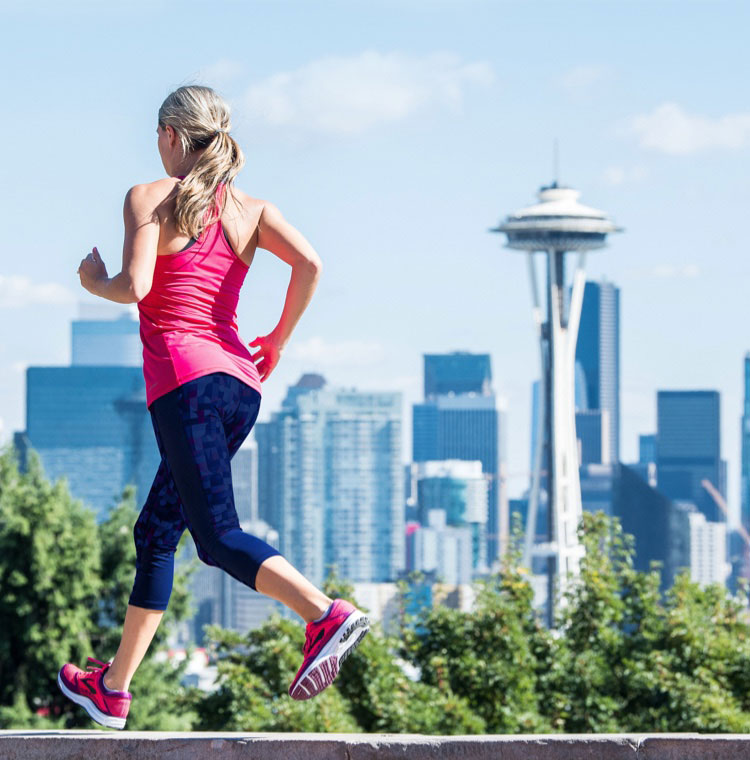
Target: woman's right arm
{"x": 275, "y": 234}
{"x": 279, "y": 237}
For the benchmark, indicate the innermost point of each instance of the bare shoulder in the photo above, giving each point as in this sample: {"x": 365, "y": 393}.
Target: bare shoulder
{"x": 148, "y": 196}
{"x": 246, "y": 205}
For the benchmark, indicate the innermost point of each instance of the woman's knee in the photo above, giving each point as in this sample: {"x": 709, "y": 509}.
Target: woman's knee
{"x": 205, "y": 556}
{"x": 154, "y": 577}
{"x": 240, "y": 554}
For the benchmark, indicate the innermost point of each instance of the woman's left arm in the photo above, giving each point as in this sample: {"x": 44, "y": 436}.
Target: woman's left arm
{"x": 138, "y": 253}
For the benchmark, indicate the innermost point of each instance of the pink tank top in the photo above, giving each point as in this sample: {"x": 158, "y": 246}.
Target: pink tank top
{"x": 188, "y": 320}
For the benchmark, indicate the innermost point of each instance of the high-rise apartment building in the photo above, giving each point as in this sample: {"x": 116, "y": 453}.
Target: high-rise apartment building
{"x": 331, "y": 480}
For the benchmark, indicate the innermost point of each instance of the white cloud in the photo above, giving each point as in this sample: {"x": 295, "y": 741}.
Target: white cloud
{"x": 581, "y": 80}
{"x": 347, "y": 95}
{"x": 17, "y": 291}
{"x": 618, "y": 175}
{"x": 343, "y": 352}
{"x": 671, "y": 129}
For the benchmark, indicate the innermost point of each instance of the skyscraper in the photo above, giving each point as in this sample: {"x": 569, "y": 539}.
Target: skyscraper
{"x": 688, "y": 448}
{"x": 745, "y": 467}
{"x": 462, "y": 418}
{"x": 598, "y": 354}
{"x": 592, "y": 430}
{"x": 331, "y": 480}
{"x": 660, "y": 526}
{"x": 89, "y": 422}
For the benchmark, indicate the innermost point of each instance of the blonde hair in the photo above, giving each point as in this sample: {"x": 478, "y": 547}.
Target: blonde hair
{"x": 201, "y": 119}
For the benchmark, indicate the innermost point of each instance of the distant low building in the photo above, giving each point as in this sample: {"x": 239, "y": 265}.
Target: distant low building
{"x": 708, "y": 550}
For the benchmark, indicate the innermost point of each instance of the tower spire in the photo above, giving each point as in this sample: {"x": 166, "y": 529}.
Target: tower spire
{"x": 555, "y": 163}
{"x": 556, "y": 226}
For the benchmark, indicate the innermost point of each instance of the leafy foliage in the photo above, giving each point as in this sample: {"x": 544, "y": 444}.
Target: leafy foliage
{"x": 622, "y": 657}
{"x": 64, "y": 587}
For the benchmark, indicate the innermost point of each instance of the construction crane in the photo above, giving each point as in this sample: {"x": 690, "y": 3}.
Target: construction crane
{"x": 722, "y": 505}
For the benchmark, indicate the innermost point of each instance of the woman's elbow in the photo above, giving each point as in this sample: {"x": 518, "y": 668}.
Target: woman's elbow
{"x": 315, "y": 265}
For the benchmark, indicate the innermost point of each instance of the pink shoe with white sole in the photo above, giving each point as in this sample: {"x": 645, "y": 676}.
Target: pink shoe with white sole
{"x": 85, "y": 688}
{"x": 328, "y": 642}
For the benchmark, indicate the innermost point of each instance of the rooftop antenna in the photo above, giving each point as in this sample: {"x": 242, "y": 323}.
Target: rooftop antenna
{"x": 555, "y": 163}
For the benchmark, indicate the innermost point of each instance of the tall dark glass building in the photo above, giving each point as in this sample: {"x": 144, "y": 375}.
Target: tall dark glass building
{"x": 688, "y": 448}
{"x": 89, "y": 422}
{"x": 745, "y": 483}
{"x": 598, "y": 355}
{"x": 461, "y": 418}
{"x": 660, "y": 526}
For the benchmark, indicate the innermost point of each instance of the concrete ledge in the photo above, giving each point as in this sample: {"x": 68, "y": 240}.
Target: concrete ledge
{"x": 126, "y": 745}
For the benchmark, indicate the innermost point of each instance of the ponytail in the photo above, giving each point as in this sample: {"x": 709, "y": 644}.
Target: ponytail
{"x": 200, "y": 117}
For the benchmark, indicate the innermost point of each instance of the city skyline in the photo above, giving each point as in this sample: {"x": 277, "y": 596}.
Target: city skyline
{"x": 460, "y": 133}
{"x": 329, "y": 458}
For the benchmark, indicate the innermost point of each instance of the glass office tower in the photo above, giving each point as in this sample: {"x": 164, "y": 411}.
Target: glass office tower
{"x": 688, "y": 448}
{"x": 598, "y": 355}
{"x": 89, "y": 422}
{"x": 462, "y": 418}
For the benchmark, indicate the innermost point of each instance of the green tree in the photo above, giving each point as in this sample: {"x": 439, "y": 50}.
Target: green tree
{"x": 64, "y": 586}
{"x": 384, "y": 698}
{"x": 372, "y": 692}
{"x": 584, "y": 683}
{"x": 629, "y": 659}
{"x": 493, "y": 656}
{"x": 49, "y": 582}
{"x": 254, "y": 673}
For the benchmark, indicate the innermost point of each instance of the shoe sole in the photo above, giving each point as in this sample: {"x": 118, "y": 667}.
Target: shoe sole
{"x": 322, "y": 671}
{"x": 94, "y": 712}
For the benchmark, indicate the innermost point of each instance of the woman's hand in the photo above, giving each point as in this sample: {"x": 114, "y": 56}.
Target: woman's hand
{"x": 269, "y": 354}
{"x": 92, "y": 271}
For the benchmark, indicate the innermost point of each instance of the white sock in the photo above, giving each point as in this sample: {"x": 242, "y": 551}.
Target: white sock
{"x": 324, "y": 615}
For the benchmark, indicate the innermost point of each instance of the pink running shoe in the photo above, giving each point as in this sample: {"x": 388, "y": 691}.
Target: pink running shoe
{"x": 85, "y": 688}
{"x": 328, "y": 642}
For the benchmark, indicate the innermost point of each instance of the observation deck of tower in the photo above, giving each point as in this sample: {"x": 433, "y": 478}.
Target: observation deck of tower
{"x": 556, "y": 225}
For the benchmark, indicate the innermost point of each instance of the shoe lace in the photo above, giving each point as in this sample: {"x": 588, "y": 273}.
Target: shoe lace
{"x": 98, "y": 666}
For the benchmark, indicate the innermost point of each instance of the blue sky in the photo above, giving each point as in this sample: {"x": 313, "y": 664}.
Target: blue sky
{"x": 393, "y": 135}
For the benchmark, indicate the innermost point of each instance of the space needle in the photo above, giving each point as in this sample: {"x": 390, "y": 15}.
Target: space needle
{"x": 558, "y": 224}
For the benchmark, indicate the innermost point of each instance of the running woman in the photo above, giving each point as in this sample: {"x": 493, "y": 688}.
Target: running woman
{"x": 189, "y": 241}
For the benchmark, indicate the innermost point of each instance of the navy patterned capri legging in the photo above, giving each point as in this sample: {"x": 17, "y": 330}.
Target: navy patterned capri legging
{"x": 199, "y": 426}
